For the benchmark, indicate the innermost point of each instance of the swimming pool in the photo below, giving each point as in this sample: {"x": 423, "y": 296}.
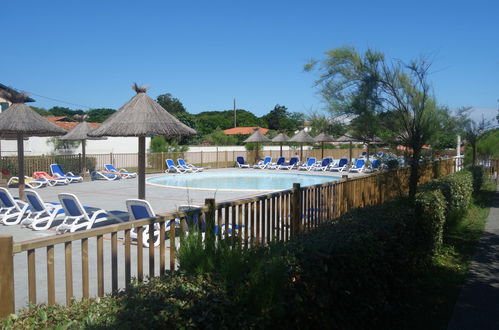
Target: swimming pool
{"x": 246, "y": 181}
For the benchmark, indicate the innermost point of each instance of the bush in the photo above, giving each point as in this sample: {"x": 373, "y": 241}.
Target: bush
{"x": 430, "y": 210}
{"x": 477, "y": 173}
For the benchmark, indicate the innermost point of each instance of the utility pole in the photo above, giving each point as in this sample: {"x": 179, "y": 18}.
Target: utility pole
{"x": 235, "y": 113}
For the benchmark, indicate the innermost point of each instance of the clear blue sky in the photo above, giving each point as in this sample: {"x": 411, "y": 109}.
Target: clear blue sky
{"x": 205, "y": 53}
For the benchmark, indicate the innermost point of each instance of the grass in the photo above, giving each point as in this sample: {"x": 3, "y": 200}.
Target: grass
{"x": 435, "y": 290}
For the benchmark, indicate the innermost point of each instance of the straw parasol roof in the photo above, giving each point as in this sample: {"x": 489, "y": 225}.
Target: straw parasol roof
{"x": 21, "y": 120}
{"x": 321, "y": 138}
{"x": 141, "y": 117}
{"x": 345, "y": 138}
{"x": 302, "y": 137}
{"x": 257, "y": 138}
{"x": 80, "y": 132}
{"x": 281, "y": 138}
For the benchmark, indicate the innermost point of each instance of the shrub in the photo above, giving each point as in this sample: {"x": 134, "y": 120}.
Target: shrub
{"x": 430, "y": 210}
{"x": 477, "y": 173}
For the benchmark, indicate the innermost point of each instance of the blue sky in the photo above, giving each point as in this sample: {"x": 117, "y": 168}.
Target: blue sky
{"x": 206, "y": 53}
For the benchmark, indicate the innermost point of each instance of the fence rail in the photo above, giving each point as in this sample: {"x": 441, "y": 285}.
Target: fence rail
{"x": 260, "y": 220}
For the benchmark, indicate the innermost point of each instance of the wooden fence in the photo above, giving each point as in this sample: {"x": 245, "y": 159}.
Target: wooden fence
{"x": 155, "y": 162}
{"x": 276, "y": 216}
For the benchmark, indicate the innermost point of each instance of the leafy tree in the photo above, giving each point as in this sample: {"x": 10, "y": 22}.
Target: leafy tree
{"x": 322, "y": 123}
{"x": 159, "y": 144}
{"x": 171, "y": 104}
{"x": 99, "y": 115}
{"x": 448, "y": 129}
{"x": 472, "y": 130}
{"x": 63, "y": 111}
{"x": 281, "y": 120}
{"x": 219, "y": 138}
{"x": 209, "y": 121}
{"x": 487, "y": 144}
{"x": 369, "y": 85}
{"x": 41, "y": 111}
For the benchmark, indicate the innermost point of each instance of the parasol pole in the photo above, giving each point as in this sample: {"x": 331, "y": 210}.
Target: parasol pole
{"x": 142, "y": 167}
{"x": 20, "y": 164}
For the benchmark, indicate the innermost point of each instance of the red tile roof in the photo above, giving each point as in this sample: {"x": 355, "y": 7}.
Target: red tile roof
{"x": 244, "y": 130}
{"x": 67, "y": 125}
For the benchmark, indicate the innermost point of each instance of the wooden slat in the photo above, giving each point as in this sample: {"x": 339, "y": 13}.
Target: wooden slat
{"x": 162, "y": 247}
{"x": 239, "y": 225}
{"x": 219, "y": 221}
{"x": 268, "y": 223}
{"x": 140, "y": 254}
{"x": 128, "y": 268}
{"x": 246, "y": 224}
{"x": 227, "y": 222}
{"x": 84, "y": 268}
{"x": 31, "y": 277}
{"x": 114, "y": 261}
{"x": 233, "y": 222}
{"x": 172, "y": 246}
{"x": 100, "y": 266}
{"x": 50, "y": 275}
{"x": 68, "y": 253}
{"x": 151, "y": 249}
{"x": 252, "y": 224}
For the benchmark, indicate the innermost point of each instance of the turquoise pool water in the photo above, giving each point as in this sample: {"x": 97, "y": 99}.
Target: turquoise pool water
{"x": 263, "y": 180}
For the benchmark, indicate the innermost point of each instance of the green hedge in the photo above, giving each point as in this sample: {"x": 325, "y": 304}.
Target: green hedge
{"x": 477, "y": 173}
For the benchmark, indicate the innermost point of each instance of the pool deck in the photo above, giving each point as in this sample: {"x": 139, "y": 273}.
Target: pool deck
{"x": 111, "y": 196}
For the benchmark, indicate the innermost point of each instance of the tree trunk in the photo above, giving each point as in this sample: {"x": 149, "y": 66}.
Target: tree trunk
{"x": 414, "y": 175}
{"x": 473, "y": 159}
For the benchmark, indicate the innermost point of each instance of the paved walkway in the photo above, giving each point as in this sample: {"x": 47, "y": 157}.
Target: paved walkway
{"x": 478, "y": 305}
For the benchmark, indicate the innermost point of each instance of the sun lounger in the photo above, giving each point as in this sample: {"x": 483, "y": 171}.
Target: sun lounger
{"x": 263, "y": 163}
{"x": 41, "y": 214}
{"x": 293, "y": 162}
{"x": 340, "y": 166}
{"x": 323, "y": 165}
{"x": 51, "y": 180}
{"x": 193, "y": 220}
{"x": 358, "y": 167}
{"x": 308, "y": 165}
{"x": 12, "y": 211}
{"x": 374, "y": 166}
{"x": 28, "y": 181}
{"x": 77, "y": 217}
{"x": 141, "y": 209}
{"x": 276, "y": 165}
{"x": 241, "y": 163}
{"x": 171, "y": 167}
{"x": 194, "y": 169}
{"x": 121, "y": 172}
{"x": 58, "y": 172}
{"x": 98, "y": 175}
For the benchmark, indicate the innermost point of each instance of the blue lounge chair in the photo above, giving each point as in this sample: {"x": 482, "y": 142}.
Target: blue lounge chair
{"x": 121, "y": 172}
{"x": 171, "y": 167}
{"x": 12, "y": 211}
{"x": 41, "y": 214}
{"x": 241, "y": 163}
{"x": 340, "y": 166}
{"x": 97, "y": 175}
{"x": 141, "y": 209}
{"x": 78, "y": 217}
{"x": 380, "y": 154}
{"x": 58, "y": 172}
{"x": 363, "y": 154}
{"x": 276, "y": 165}
{"x": 358, "y": 167}
{"x": 264, "y": 163}
{"x": 323, "y": 165}
{"x": 293, "y": 162}
{"x": 308, "y": 165}
{"x": 374, "y": 166}
{"x": 194, "y": 169}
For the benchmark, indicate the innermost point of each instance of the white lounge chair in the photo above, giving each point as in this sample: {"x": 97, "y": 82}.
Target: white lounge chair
{"x": 58, "y": 172}
{"x": 323, "y": 165}
{"x": 28, "y": 181}
{"x": 241, "y": 163}
{"x": 12, "y": 210}
{"x": 51, "y": 180}
{"x": 358, "y": 167}
{"x": 41, "y": 214}
{"x": 340, "y": 166}
{"x": 293, "y": 162}
{"x": 308, "y": 165}
{"x": 263, "y": 163}
{"x": 171, "y": 167}
{"x": 77, "y": 217}
{"x": 97, "y": 175}
{"x": 183, "y": 165}
{"x": 141, "y": 209}
{"x": 121, "y": 172}
{"x": 277, "y": 165}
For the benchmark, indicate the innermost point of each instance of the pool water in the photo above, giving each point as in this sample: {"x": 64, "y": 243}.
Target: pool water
{"x": 264, "y": 181}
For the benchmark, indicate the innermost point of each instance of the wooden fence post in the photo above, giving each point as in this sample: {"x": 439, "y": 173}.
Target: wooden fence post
{"x": 210, "y": 223}
{"x": 201, "y": 158}
{"x": 296, "y": 210}
{"x": 6, "y": 276}
{"x": 346, "y": 193}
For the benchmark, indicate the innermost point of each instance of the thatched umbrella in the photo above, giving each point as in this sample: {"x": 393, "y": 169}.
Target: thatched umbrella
{"x": 281, "y": 138}
{"x": 141, "y": 117}
{"x": 21, "y": 121}
{"x": 257, "y": 138}
{"x": 323, "y": 137}
{"x": 302, "y": 137}
{"x": 80, "y": 133}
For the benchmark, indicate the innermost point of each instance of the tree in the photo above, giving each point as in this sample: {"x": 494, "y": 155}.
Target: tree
{"x": 99, "y": 115}
{"x": 66, "y": 112}
{"x": 171, "y": 104}
{"x": 280, "y": 120}
{"x": 472, "y": 130}
{"x": 368, "y": 85}
{"x": 322, "y": 123}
